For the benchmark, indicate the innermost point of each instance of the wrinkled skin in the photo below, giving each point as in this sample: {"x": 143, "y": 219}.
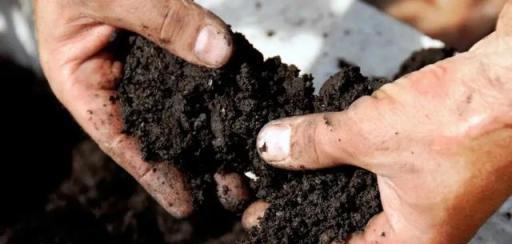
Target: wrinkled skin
{"x": 72, "y": 37}
{"x": 439, "y": 140}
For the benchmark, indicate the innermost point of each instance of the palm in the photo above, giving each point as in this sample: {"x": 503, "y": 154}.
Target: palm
{"x": 440, "y": 126}
{"x": 83, "y": 76}
{"x": 73, "y": 36}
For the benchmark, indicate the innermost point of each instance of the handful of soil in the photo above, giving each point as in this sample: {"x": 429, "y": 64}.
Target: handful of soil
{"x": 100, "y": 203}
{"x": 205, "y": 121}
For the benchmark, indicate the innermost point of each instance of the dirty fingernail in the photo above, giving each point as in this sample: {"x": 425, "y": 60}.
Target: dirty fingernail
{"x": 274, "y": 142}
{"x": 213, "y": 46}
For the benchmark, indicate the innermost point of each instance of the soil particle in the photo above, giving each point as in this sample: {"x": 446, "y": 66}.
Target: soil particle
{"x": 263, "y": 148}
{"x": 508, "y": 215}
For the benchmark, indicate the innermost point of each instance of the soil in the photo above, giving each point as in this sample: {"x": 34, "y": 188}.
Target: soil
{"x": 321, "y": 206}
{"x": 59, "y": 187}
{"x": 62, "y": 191}
{"x": 206, "y": 120}
{"x": 38, "y": 139}
{"x": 424, "y": 57}
{"x": 101, "y": 203}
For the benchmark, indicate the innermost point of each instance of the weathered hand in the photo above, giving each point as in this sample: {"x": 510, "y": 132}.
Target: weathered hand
{"x": 439, "y": 140}
{"x": 73, "y": 35}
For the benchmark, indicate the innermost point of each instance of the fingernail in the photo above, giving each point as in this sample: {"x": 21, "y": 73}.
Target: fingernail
{"x": 212, "y": 46}
{"x": 273, "y": 142}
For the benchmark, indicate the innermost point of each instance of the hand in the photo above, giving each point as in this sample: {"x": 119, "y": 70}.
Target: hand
{"x": 439, "y": 140}
{"x": 459, "y": 23}
{"x": 73, "y": 35}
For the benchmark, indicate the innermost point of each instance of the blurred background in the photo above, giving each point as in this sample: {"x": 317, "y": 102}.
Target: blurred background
{"x": 58, "y": 187}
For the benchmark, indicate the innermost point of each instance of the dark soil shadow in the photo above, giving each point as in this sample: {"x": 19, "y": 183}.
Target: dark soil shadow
{"x": 38, "y": 137}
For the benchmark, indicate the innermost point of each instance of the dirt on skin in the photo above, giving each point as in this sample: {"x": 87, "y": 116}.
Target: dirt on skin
{"x": 97, "y": 202}
{"x": 59, "y": 191}
{"x": 206, "y": 120}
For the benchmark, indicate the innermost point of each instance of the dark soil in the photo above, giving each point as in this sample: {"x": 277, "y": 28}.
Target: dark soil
{"x": 58, "y": 191}
{"x": 38, "y": 137}
{"x": 317, "y": 207}
{"x": 101, "y": 203}
{"x": 424, "y": 57}
{"x": 206, "y": 120}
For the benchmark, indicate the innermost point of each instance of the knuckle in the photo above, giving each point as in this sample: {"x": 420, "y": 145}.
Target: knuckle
{"x": 367, "y": 124}
{"x": 433, "y": 72}
{"x": 493, "y": 76}
{"x": 173, "y": 23}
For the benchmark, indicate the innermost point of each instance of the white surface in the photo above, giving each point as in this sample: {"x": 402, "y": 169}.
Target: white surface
{"x": 314, "y": 34}
{"x": 498, "y": 229}
{"x": 356, "y": 32}
{"x": 17, "y": 38}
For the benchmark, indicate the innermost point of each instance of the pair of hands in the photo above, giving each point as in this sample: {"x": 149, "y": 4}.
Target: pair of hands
{"x": 439, "y": 139}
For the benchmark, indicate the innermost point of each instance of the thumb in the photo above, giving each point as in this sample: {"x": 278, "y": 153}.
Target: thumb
{"x": 180, "y": 26}
{"x": 328, "y": 139}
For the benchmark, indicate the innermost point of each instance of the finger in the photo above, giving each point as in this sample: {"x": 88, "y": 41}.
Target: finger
{"x": 232, "y": 191}
{"x": 254, "y": 214}
{"x": 162, "y": 181}
{"x": 329, "y": 139}
{"x": 337, "y": 242}
{"x": 93, "y": 105}
{"x": 166, "y": 184}
{"x": 378, "y": 230}
{"x": 84, "y": 78}
{"x": 180, "y": 26}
